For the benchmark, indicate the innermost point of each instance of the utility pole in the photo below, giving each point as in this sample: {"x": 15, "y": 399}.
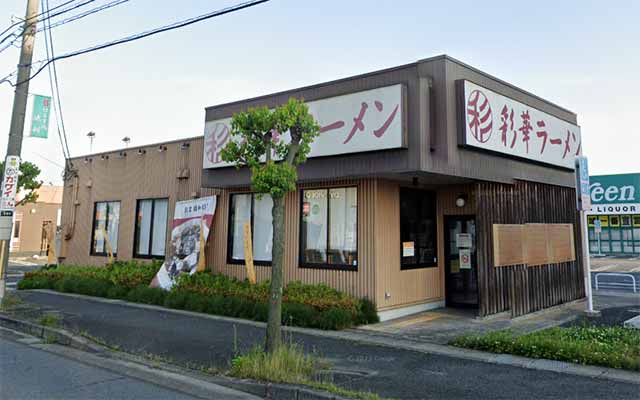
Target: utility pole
{"x": 14, "y": 147}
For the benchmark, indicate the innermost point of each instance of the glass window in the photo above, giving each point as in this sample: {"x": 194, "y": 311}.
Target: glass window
{"x": 255, "y": 209}
{"x": 329, "y": 227}
{"x": 418, "y": 234}
{"x": 625, "y": 220}
{"x": 151, "y": 228}
{"x": 16, "y": 229}
{"x": 106, "y": 219}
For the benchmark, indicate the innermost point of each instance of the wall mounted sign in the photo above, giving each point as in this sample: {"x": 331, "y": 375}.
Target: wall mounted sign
{"x": 490, "y": 121}
{"x": 352, "y": 123}
{"x": 615, "y": 194}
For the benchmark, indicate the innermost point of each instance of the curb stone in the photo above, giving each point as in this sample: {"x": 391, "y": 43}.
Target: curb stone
{"x": 174, "y": 377}
{"x": 46, "y": 333}
{"x": 400, "y": 342}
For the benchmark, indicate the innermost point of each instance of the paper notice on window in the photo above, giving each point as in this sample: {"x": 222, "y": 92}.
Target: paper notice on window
{"x": 465, "y": 259}
{"x": 463, "y": 240}
{"x": 408, "y": 249}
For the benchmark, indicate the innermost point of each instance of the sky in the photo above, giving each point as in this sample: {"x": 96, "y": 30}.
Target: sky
{"x": 582, "y": 55}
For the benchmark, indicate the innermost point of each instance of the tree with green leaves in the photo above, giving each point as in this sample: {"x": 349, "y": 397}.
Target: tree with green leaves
{"x": 28, "y": 183}
{"x": 272, "y": 143}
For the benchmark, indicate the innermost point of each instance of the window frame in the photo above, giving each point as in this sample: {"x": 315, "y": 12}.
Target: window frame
{"x": 409, "y": 267}
{"x": 106, "y": 224}
{"x": 149, "y": 256}
{"x": 236, "y": 261}
{"x": 326, "y": 266}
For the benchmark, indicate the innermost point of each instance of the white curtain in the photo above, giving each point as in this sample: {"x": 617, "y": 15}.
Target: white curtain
{"x": 144, "y": 226}
{"x": 159, "y": 227}
{"x": 241, "y": 204}
{"x": 262, "y": 228}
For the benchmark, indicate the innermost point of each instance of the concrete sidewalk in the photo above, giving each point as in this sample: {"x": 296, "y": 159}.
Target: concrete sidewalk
{"x": 393, "y": 368}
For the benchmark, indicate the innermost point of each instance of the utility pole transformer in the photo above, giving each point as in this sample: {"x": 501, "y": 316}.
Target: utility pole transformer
{"x": 14, "y": 147}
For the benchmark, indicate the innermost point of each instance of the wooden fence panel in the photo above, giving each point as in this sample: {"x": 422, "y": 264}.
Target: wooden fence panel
{"x": 518, "y": 288}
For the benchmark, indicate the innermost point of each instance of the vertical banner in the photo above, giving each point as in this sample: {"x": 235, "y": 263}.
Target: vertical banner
{"x": 40, "y": 116}
{"x": 190, "y": 228}
{"x": 8, "y": 197}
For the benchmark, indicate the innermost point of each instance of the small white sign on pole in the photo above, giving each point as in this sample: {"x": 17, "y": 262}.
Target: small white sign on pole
{"x": 8, "y": 198}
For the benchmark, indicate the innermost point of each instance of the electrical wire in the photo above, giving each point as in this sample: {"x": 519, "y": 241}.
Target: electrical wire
{"x": 25, "y": 21}
{"x": 55, "y": 94}
{"x": 141, "y": 35}
{"x": 67, "y": 20}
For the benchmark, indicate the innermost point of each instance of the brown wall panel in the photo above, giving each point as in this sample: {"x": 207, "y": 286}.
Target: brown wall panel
{"x": 152, "y": 174}
{"x": 518, "y": 288}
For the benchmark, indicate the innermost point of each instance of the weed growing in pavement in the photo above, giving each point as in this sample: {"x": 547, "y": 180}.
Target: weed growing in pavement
{"x": 10, "y": 301}
{"x": 289, "y": 364}
{"x": 614, "y": 347}
{"x": 50, "y": 320}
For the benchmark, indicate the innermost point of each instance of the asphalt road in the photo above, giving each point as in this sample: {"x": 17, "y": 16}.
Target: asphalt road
{"x": 28, "y": 373}
{"x": 390, "y": 372}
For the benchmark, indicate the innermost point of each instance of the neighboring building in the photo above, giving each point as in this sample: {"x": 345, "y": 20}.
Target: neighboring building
{"x": 614, "y": 219}
{"x": 33, "y": 220}
{"x": 413, "y": 167}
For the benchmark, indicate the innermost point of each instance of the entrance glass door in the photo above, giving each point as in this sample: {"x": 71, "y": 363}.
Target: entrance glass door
{"x": 461, "y": 271}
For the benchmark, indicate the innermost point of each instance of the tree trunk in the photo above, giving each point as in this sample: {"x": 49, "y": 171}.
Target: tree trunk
{"x": 274, "y": 324}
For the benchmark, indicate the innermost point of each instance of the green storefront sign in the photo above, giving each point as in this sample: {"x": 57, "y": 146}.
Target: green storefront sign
{"x": 40, "y": 116}
{"x": 615, "y": 203}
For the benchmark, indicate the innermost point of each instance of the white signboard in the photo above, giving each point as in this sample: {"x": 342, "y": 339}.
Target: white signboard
{"x": 463, "y": 240}
{"x": 583, "y": 194}
{"x": 500, "y": 124}
{"x": 597, "y": 225}
{"x": 352, "y": 123}
{"x": 408, "y": 249}
{"x": 10, "y": 185}
{"x": 465, "y": 259}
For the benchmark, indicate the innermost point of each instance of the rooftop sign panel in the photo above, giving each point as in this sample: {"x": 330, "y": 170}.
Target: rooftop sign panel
{"x": 615, "y": 194}
{"x": 353, "y": 123}
{"x": 497, "y": 123}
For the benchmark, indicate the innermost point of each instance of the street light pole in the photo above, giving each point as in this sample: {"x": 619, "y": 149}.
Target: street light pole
{"x": 14, "y": 147}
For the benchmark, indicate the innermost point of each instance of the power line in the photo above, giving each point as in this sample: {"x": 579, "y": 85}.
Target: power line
{"x": 176, "y": 25}
{"x": 55, "y": 94}
{"x": 50, "y": 15}
{"x": 67, "y": 20}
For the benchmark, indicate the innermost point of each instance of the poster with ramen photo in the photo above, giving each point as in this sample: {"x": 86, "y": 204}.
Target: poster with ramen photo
{"x": 190, "y": 228}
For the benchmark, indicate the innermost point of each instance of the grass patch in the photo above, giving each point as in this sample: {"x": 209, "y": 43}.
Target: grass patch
{"x": 613, "y": 347}
{"x": 289, "y": 364}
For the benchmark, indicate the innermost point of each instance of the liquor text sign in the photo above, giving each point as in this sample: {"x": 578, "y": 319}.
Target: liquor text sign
{"x": 491, "y": 121}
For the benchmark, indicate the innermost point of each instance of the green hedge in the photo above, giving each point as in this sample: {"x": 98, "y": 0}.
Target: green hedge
{"x": 312, "y": 306}
{"x": 614, "y": 347}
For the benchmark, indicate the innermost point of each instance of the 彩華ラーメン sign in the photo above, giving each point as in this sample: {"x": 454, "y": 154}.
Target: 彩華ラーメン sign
{"x": 363, "y": 121}
{"x": 615, "y": 194}
{"x": 491, "y": 121}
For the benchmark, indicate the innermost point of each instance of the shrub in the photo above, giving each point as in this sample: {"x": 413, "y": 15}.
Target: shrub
{"x": 315, "y": 306}
{"x": 147, "y": 295}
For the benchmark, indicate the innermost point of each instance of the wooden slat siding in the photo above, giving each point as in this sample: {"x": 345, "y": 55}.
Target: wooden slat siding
{"x": 151, "y": 175}
{"x": 519, "y": 288}
{"x": 410, "y": 286}
{"x": 360, "y": 283}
